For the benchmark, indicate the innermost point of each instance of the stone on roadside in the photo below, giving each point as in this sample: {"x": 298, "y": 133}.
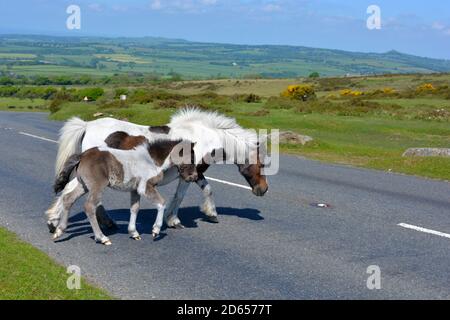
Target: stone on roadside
{"x": 427, "y": 152}
{"x": 290, "y": 137}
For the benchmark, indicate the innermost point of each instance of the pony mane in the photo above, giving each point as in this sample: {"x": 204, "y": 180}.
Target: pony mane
{"x": 236, "y": 140}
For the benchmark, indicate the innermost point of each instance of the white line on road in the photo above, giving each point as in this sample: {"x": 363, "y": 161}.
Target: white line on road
{"x": 420, "y": 229}
{"x": 229, "y": 183}
{"x": 37, "y": 137}
{"x": 209, "y": 178}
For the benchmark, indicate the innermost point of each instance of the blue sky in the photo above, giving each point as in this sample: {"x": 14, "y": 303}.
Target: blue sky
{"x": 416, "y": 27}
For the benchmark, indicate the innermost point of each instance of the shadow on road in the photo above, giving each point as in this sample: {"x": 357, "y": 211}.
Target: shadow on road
{"x": 78, "y": 224}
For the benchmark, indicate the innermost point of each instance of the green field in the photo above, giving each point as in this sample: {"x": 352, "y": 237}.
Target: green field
{"x": 97, "y": 57}
{"x": 28, "y": 274}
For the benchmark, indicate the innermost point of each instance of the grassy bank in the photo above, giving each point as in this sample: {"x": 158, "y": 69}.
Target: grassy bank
{"x": 371, "y": 126}
{"x": 371, "y": 141}
{"x": 27, "y": 273}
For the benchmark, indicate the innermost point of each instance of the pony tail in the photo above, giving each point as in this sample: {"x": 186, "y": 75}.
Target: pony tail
{"x": 64, "y": 176}
{"x": 70, "y": 139}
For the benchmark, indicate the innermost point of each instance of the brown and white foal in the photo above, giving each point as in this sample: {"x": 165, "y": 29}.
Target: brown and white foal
{"x": 137, "y": 170}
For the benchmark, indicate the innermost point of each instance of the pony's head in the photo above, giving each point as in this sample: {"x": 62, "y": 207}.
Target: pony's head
{"x": 253, "y": 173}
{"x": 186, "y": 163}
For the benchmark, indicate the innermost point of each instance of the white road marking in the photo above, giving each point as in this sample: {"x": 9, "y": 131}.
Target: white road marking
{"x": 209, "y": 178}
{"x": 37, "y": 137}
{"x": 229, "y": 183}
{"x": 420, "y": 229}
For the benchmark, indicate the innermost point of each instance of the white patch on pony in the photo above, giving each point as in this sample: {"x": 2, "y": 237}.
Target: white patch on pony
{"x": 138, "y": 168}
{"x": 55, "y": 211}
{"x": 212, "y": 131}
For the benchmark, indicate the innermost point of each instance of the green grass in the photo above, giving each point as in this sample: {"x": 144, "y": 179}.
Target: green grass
{"x": 28, "y": 105}
{"x": 28, "y": 274}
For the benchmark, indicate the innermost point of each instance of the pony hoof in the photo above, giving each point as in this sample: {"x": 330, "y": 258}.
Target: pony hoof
{"x": 155, "y": 235}
{"x": 58, "y": 233}
{"x": 212, "y": 219}
{"x": 107, "y": 243}
{"x": 137, "y": 238}
{"x": 179, "y": 226}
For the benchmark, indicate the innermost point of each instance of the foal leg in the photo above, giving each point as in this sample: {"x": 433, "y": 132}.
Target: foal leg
{"x": 90, "y": 208}
{"x": 160, "y": 203}
{"x": 172, "y": 219}
{"x": 208, "y": 207}
{"x": 134, "y": 210}
{"x": 104, "y": 219}
{"x": 67, "y": 202}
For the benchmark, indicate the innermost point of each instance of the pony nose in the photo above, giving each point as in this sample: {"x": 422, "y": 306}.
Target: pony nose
{"x": 193, "y": 177}
{"x": 260, "y": 191}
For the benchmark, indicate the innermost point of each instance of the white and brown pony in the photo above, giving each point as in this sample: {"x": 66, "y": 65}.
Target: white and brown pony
{"x": 138, "y": 170}
{"x": 212, "y": 132}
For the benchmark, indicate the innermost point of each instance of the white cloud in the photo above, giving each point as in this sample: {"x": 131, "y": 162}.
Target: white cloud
{"x": 95, "y": 7}
{"x": 156, "y": 5}
{"x": 271, "y": 7}
{"x": 438, "y": 26}
{"x": 182, "y": 5}
{"x": 208, "y": 2}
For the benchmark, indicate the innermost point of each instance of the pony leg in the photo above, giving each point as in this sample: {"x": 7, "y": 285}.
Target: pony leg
{"x": 90, "y": 208}
{"x": 172, "y": 219}
{"x": 160, "y": 203}
{"x": 68, "y": 198}
{"x": 104, "y": 219}
{"x": 134, "y": 210}
{"x": 208, "y": 207}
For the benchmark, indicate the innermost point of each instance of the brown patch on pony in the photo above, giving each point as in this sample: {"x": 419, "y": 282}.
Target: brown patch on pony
{"x": 160, "y": 150}
{"x": 100, "y": 167}
{"x": 123, "y": 141}
{"x": 160, "y": 129}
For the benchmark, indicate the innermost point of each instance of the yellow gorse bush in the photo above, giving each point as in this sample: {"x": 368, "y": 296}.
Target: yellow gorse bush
{"x": 299, "y": 92}
{"x": 424, "y": 88}
{"x": 389, "y": 91}
{"x": 351, "y": 93}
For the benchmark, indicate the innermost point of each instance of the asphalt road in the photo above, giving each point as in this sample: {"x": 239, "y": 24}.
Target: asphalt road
{"x": 276, "y": 247}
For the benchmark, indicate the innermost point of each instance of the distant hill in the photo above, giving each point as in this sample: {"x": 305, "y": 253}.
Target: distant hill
{"x": 30, "y": 55}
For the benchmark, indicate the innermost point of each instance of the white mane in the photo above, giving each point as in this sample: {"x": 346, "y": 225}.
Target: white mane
{"x": 235, "y": 139}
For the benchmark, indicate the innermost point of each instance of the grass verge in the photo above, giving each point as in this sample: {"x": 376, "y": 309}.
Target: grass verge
{"x": 29, "y": 274}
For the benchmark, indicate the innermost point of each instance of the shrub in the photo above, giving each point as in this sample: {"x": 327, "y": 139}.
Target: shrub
{"x": 91, "y": 93}
{"x": 252, "y": 98}
{"x": 351, "y": 93}
{"x": 314, "y": 75}
{"x": 300, "y": 92}
{"x": 55, "y": 105}
{"x": 425, "y": 88}
{"x": 167, "y": 104}
{"x": 8, "y": 91}
{"x": 119, "y": 92}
